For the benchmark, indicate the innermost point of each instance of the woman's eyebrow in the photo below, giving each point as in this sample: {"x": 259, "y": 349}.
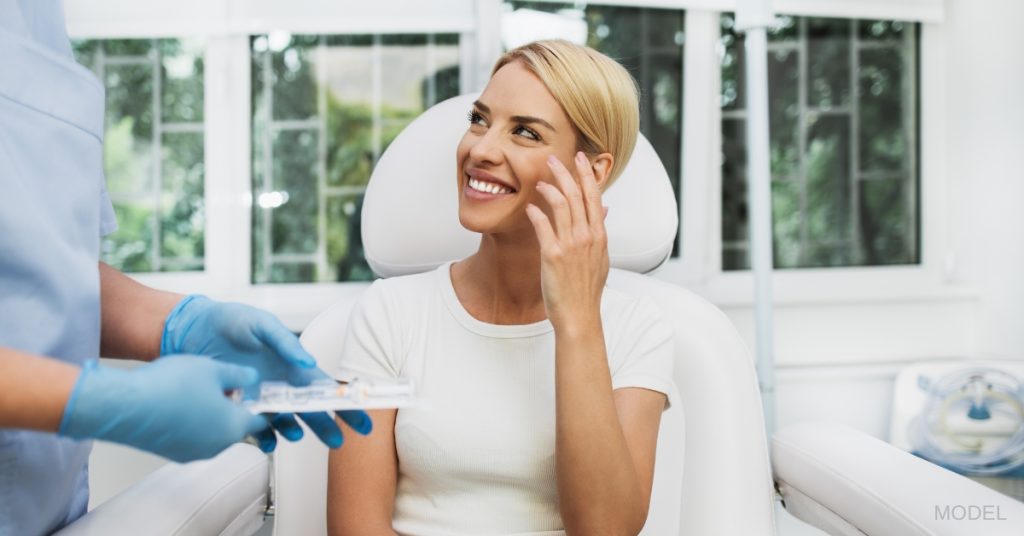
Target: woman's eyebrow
{"x": 517, "y": 118}
{"x": 529, "y": 119}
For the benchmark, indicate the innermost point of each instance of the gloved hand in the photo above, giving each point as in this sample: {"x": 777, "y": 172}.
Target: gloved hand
{"x": 244, "y": 335}
{"x": 174, "y": 407}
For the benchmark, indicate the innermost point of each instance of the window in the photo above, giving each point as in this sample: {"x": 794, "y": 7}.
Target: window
{"x": 843, "y": 120}
{"x": 324, "y": 108}
{"x": 649, "y": 43}
{"x": 153, "y": 150}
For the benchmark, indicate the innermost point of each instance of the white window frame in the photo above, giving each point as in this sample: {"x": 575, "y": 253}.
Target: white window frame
{"x": 226, "y": 26}
{"x": 699, "y": 266}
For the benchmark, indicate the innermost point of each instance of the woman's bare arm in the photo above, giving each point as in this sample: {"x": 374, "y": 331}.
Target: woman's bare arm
{"x": 361, "y": 479}
{"x": 604, "y": 440}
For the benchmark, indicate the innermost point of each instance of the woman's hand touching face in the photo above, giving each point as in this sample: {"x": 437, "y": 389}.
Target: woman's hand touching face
{"x": 573, "y": 244}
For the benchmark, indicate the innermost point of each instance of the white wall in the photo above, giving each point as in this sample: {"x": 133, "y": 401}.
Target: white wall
{"x": 985, "y": 159}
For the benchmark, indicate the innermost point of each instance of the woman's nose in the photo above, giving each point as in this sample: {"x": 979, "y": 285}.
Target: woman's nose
{"x": 486, "y": 148}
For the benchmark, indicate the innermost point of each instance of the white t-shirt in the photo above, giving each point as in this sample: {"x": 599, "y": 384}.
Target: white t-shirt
{"x": 477, "y": 456}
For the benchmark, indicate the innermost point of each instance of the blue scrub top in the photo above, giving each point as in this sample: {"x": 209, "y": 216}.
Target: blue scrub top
{"x": 53, "y": 211}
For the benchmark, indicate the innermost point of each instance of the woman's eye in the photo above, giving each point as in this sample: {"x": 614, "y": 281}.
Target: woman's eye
{"x": 526, "y": 132}
{"x": 475, "y": 118}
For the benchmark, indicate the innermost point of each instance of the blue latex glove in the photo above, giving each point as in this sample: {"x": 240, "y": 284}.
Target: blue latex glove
{"x": 174, "y": 407}
{"x": 244, "y": 335}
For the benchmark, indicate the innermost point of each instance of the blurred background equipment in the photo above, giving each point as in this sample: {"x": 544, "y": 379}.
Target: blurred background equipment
{"x": 967, "y": 416}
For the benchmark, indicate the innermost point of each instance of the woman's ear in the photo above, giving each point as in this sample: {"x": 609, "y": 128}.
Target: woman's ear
{"x": 602, "y": 165}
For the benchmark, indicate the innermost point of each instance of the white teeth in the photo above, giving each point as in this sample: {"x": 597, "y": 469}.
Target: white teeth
{"x": 487, "y": 187}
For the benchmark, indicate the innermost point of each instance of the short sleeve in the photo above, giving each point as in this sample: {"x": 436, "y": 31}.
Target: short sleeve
{"x": 369, "y": 348}
{"x": 644, "y": 352}
{"x": 108, "y": 220}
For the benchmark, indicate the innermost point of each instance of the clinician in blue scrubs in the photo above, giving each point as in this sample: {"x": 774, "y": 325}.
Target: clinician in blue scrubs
{"x": 60, "y": 308}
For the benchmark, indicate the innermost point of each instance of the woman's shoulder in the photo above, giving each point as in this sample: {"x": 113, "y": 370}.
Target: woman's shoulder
{"x": 618, "y": 304}
{"x": 626, "y": 313}
{"x": 403, "y": 290}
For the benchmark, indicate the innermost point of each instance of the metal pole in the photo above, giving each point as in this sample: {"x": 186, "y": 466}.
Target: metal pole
{"x": 753, "y": 18}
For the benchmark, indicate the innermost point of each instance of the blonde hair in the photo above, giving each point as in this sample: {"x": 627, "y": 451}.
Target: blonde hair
{"x": 599, "y": 96}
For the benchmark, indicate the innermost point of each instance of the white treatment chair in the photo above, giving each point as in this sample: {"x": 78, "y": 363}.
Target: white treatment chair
{"x": 712, "y": 474}
{"x": 410, "y": 224}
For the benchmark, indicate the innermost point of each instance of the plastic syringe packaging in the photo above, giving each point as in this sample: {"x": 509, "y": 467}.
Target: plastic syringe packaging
{"x": 330, "y": 395}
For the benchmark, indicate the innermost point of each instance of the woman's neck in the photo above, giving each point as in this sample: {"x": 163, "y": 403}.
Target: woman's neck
{"x": 500, "y": 283}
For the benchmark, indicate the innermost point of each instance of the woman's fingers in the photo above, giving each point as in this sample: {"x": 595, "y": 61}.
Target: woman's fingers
{"x": 559, "y": 208}
{"x": 542, "y": 226}
{"x": 591, "y": 193}
{"x": 567, "y": 184}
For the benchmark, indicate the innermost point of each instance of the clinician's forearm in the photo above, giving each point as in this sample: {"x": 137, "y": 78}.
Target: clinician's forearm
{"x": 598, "y": 487}
{"x": 34, "y": 390}
{"x": 133, "y": 316}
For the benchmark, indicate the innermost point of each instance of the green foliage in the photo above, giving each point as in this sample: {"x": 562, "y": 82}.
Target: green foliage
{"x": 348, "y": 155}
{"x": 826, "y": 211}
{"x": 156, "y": 230}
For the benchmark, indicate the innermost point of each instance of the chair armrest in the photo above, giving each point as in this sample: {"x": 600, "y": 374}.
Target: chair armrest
{"x": 844, "y": 481}
{"x": 224, "y": 495}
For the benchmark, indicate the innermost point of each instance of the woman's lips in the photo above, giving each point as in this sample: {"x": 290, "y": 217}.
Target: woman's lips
{"x": 477, "y": 195}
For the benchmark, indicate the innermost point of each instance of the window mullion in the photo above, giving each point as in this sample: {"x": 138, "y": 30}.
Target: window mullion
{"x": 227, "y": 188}
{"x": 701, "y": 184}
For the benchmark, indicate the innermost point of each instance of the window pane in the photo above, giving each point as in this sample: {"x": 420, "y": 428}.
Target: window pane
{"x": 842, "y": 97}
{"x": 153, "y": 150}
{"x": 344, "y": 239}
{"x": 649, "y": 44}
{"x": 293, "y": 77}
{"x": 883, "y": 142}
{"x": 885, "y": 230}
{"x": 324, "y": 108}
{"x": 295, "y": 174}
{"x": 129, "y": 248}
{"x": 883, "y": 30}
{"x": 182, "y": 88}
{"x": 827, "y": 160}
{"x": 786, "y": 223}
{"x": 783, "y": 113}
{"x": 181, "y": 205}
{"x": 828, "y": 62}
{"x": 734, "y": 184}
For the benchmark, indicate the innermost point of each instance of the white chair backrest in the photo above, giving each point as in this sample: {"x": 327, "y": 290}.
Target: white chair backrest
{"x": 411, "y": 218}
{"x": 407, "y": 227}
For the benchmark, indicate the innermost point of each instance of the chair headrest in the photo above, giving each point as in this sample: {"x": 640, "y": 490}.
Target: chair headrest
{"x": 410, "y": 215}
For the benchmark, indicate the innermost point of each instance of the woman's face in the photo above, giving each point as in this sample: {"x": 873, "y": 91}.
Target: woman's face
{"x": 513, "y": 127}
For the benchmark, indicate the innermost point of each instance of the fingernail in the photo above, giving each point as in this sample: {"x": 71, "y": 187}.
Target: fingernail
{"x": 579, "y": 156}
{"x": 552, "y": 160}
{"x": 365, "y": 425}
{"x": 359, "y": 421}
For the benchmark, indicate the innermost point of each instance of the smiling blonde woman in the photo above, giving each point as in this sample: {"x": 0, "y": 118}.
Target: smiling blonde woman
{"x": 546, "y": 388}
